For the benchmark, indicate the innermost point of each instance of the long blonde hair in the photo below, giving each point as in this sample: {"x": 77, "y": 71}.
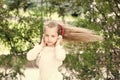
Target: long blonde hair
{"x": 71, "y": 33}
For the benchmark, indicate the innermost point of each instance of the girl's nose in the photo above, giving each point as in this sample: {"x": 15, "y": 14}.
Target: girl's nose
{"x": 49, "y": 38}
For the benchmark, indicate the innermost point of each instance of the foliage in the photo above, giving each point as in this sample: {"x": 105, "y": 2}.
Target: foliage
{"x": 18, "y": 33}
{"x": 104, "y": 19}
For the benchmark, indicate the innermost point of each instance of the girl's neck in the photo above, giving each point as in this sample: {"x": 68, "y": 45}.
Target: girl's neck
{"x": 50, "y": 46}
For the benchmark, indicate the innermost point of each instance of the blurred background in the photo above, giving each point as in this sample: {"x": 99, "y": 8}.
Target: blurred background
{"x": 21, "y": 24}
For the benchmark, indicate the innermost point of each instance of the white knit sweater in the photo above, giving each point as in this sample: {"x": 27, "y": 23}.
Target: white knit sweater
{"x": 48, "y": 60}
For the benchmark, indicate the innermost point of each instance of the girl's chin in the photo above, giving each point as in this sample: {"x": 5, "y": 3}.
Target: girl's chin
{"x": 50, "y": 44}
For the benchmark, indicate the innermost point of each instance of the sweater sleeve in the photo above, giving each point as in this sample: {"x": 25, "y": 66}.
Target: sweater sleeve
{"x": 60, "y": 53}
{"x": 33, "y": 53}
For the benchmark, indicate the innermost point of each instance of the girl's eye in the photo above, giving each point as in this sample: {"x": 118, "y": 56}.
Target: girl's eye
{"x": 53, "y": 36}
{"x": 46, "y": 35}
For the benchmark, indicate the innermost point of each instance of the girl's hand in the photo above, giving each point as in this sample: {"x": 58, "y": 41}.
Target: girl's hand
{"x": 42, "y": 42}
{"x": 59, "y": 40}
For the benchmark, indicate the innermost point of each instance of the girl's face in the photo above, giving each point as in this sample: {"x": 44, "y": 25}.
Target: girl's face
{"x": 50, "y": 36}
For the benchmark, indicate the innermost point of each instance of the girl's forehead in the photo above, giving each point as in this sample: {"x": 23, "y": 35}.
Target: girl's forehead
{"x": 52, "y": 30}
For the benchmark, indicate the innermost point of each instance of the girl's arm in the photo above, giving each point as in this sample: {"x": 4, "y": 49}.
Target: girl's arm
{"x": 33, "y": 53}
{"x": 60, "y": 53}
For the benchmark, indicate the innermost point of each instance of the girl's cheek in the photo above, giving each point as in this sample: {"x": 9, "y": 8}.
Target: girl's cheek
{"x": 45, "y": 39}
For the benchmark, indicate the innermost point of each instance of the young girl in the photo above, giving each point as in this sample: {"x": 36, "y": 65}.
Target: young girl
{"x": 49, "y": 55}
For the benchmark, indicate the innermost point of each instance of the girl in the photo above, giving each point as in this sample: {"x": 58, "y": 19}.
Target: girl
{"x": 49, "y": 54}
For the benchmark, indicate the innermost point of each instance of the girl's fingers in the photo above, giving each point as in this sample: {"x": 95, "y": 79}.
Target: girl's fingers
{"x": 59, "y": 40}
{"x": 60, "y": 37}
{"x": 42, "y": 41}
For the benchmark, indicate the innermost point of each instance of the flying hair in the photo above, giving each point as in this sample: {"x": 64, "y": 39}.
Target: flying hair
{"x": 72, "y": 33}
